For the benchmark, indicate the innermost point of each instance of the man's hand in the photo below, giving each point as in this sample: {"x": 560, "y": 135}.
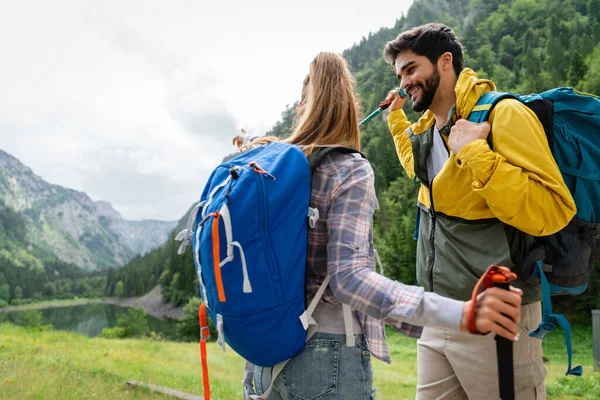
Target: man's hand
{"x": 497, "y": 310}
{"x": 464, "y": 132}
{"x": 398, "y": 102}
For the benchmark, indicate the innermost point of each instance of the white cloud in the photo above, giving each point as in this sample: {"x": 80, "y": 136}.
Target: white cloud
{"x": 134, "y": 102}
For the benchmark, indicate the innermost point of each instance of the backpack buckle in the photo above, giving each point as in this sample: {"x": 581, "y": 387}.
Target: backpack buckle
{"x": 546, "y": 326}
{"x": 204, "y": 333}
{"x": 313, "y": 216}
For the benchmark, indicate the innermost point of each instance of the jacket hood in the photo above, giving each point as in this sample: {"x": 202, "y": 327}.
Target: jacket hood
{"x": 468, "y": 90}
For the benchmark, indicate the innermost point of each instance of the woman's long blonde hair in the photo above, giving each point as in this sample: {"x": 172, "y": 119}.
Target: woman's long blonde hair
{"x": 329, "y": 107}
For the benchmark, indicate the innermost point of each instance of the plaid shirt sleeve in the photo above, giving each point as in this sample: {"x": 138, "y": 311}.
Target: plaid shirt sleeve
{"x": 350, "y": 261}
{"x": 413, "y": 331}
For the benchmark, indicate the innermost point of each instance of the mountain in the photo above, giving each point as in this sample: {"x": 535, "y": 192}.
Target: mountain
{"x": 67, "y": 224}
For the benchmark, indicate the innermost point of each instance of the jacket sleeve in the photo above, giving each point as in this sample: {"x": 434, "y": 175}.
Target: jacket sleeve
{"x": 519, "y": 178}
{"x": 398, "y": 123}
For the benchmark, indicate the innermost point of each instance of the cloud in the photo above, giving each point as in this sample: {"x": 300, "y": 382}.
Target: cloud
{"x": 194, "y": 100}
{"x": 150, "y": 193}
{"x": 135, "y": 102}
{"x": 96, "y": 102}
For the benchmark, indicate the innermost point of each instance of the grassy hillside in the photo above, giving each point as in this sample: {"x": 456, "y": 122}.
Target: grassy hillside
{"x": 59, "y": 365}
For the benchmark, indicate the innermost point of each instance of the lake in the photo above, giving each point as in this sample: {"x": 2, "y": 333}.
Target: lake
{"x": 90, "y": 319}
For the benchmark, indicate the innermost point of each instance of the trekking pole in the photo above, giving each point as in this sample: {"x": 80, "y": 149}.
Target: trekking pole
{"x": 499, "y": 277}
{"x": 504, "y": 347}
{"x": 382, "y": 106}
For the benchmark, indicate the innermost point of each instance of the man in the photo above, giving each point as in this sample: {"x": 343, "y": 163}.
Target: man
{"x": 478, "y": 205}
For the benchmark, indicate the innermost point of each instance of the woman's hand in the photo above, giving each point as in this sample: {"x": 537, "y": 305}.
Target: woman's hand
{"x": 398, "y": 102}
{"x": 497, "y": 310}
{"x": 239, "y": 140}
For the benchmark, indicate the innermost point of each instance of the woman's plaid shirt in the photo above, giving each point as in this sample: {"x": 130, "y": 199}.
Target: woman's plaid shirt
{"x": 341, "y": 244}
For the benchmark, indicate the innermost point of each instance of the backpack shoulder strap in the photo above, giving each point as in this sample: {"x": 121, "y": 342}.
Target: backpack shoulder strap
{"x": 485, "y": 104}
{"x": 315, "y": 158}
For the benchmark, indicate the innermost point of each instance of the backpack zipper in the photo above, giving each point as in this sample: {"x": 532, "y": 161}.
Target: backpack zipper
{"x": 266, "y": 235}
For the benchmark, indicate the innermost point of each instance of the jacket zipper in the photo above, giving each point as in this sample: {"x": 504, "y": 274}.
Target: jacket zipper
{"x": 432, "y": 236}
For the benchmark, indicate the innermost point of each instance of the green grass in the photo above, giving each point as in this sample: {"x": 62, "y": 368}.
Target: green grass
{"x": 61, "y": 365}
{"x": 558, "y": 385}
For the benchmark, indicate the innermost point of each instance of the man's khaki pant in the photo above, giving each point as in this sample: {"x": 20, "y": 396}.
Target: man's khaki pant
{"x": 455, "y": 365}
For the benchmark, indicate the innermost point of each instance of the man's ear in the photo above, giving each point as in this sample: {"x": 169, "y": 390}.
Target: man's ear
{"x": 445, "y": 61}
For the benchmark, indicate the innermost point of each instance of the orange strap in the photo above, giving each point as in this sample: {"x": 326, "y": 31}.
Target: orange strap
{"x": 204, "y": 336}
{"x": 217, "y": 257}
{"x": 494, "y": 274}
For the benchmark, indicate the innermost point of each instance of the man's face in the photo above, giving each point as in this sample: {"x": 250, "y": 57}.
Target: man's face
{"x": 418, "y": 77}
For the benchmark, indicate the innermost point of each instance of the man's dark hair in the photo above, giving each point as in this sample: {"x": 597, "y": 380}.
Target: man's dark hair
{"x": 429, "y": 40}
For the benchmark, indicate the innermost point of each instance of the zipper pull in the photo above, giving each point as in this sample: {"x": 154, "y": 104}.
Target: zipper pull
{"x": 258, "y": 169}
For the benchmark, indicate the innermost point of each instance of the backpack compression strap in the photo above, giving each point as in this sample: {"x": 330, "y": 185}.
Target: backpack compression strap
{"x": 550, "y": 319}
{"x": 204, "y": 336}
{"x": 217, "y": 256}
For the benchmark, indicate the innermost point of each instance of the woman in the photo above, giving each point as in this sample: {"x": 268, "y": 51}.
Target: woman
{"x": 341, "y": 245}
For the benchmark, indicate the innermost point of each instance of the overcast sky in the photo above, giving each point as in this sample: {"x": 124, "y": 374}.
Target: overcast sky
{"x": 135, "y": 102}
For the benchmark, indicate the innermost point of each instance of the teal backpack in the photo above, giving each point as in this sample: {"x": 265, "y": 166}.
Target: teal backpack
{"x": 562, "y": 262}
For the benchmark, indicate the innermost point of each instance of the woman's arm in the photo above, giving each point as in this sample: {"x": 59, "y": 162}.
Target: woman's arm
{"x": 351, "y": 267}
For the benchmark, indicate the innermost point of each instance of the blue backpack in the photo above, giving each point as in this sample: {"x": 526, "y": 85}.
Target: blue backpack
{"x": 249, "y": 240}
{"x": 562, "y": 262}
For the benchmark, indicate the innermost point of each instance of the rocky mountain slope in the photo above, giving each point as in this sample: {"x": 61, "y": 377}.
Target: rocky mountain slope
{"x": 70, "y": 225}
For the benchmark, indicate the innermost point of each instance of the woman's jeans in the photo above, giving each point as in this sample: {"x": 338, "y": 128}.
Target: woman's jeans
{"x": 325, "y": 369}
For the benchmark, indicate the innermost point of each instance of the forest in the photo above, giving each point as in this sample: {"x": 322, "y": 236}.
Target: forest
{"x": 29, "y": 274}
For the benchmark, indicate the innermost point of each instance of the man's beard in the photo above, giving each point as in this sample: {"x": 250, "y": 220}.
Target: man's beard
{"x": 427, "y": 91}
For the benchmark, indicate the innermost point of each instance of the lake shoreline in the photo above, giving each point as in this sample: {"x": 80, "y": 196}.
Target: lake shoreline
{"x": 151, "y": 302}
{"x": 45, "y": 305}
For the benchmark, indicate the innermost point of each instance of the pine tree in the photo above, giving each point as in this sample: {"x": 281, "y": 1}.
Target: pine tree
{"x": 5, "y": 292}
{"x": 119, "y": 289}
{"x": 577, "y": 69}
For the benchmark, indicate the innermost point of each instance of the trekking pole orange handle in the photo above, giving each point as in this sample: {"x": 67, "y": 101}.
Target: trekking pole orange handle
{"x": 493, "y": 275}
